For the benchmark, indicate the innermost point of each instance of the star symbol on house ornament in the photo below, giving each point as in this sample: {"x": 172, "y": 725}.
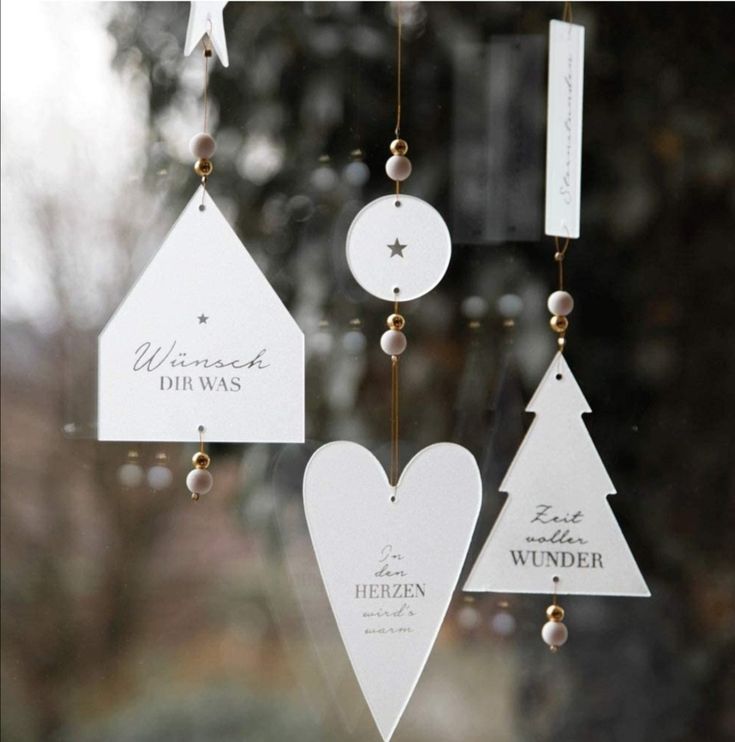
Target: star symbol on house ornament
{"x": 205, "y": 19}
{"x": 396, "y": 248}
{"x": 202, "y": 319}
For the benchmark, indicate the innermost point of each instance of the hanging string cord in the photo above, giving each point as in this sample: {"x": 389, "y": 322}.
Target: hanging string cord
{"x": 394, "y": 429}
{"x": 559, "y": 255}
{"x": 394, "y": 421}
{"x": 560, "y": 324}
{"x": 207, "y": 53}
{"x": 567, "y": 15}
{"x": 399, "y": 70}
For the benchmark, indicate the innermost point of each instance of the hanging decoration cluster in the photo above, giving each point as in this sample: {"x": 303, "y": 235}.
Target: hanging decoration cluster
{"x": 202, "y": 349}
{"x": 556, "y": 534}
{"x": 187, "y": 355}
{"x": 390, "y": 549}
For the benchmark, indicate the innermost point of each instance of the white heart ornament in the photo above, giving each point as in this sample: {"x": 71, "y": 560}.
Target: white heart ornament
{"x": 390, "y": 558}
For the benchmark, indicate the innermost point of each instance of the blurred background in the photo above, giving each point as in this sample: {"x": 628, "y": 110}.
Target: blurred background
{"x": 130, "y": 613}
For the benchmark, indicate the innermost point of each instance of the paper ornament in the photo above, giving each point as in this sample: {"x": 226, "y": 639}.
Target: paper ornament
{"x": 205, "y": 19}
{"x": 398, "y": 247}
{"x": 390, "y": 558}
{"x": 557, "y": 522}
{"x": 202, "y": 339}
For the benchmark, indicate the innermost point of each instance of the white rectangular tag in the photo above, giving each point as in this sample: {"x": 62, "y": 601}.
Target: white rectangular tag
{"x": 564, "y": 129}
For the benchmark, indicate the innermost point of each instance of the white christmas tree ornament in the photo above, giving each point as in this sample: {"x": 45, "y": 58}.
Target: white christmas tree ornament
{"x": 556, "y": 533}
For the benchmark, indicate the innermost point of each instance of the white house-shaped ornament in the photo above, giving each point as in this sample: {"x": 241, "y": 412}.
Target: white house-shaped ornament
{"x": 556, "y": 522}
{"x": 202, "y": 339}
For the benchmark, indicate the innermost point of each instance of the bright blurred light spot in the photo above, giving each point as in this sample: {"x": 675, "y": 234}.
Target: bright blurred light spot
{"x": 356, "y": 174}
{"x": 468, "y": 618}
{"x": 130, "y": 475}
{"x": 503, "y": 623}
{"x": 159, "y": 477}
{"x": 324, "y": 178}
{"x": 354, "y": 342}
{"x": 74, "y": 136}
{"x": 260, "y": 159}
{"x": 474, "y": 307}
{"x": 321, "y": 342}
{"x": 510, "y": 306}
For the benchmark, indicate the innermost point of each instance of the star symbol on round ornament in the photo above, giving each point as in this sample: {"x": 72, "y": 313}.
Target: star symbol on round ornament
{"x": 202, "y": 319}
{"x": 396, "y": 248}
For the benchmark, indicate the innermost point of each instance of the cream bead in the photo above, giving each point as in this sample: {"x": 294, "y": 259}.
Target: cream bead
{"x": 393, "y": 342}
{"x": 202, "y": 146}
{"x": 398, "y": 167}
{"x": 199, "y": 481}
{"x": 560, "y": 303}
{"x": 554, "y": 633}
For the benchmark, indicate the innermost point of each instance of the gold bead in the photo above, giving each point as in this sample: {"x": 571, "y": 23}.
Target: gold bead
{"x": 555, "y": 613}
{"x": 558, "y": 323}
{"x": 203, "y": 168}
{"x": 396, "y": 322}
{"x": 558, "y": 256}
{"x": 399, "y": 147}
{"x": 200, "y": 460}
{"x": 561, "y": 342}
{"x": 194, "y": 496}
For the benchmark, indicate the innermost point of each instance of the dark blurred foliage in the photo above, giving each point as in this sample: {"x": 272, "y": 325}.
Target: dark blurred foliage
{"x": 130, "y": 614}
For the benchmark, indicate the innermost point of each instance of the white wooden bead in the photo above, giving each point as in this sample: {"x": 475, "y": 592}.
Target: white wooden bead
{"x": 398, "y": 167}
{"x": 202, "y": 146}
{"x": 393, "y": 342}
{"x": 199, "y": 481}
{"x": 554, "y": 633}
{"x": 560, "y": 303}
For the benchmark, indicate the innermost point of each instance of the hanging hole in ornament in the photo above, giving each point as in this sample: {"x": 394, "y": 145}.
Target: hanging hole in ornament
{"x": 555, "y": 578}
{"x": 392, "y": 498}
{"x": 397, "y": 202}
{"x": 202, "y": 207}
{"x": 558, "y": 378}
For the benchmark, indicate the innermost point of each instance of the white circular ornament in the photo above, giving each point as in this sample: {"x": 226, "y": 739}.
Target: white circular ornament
{"x": 398, "y": 247}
